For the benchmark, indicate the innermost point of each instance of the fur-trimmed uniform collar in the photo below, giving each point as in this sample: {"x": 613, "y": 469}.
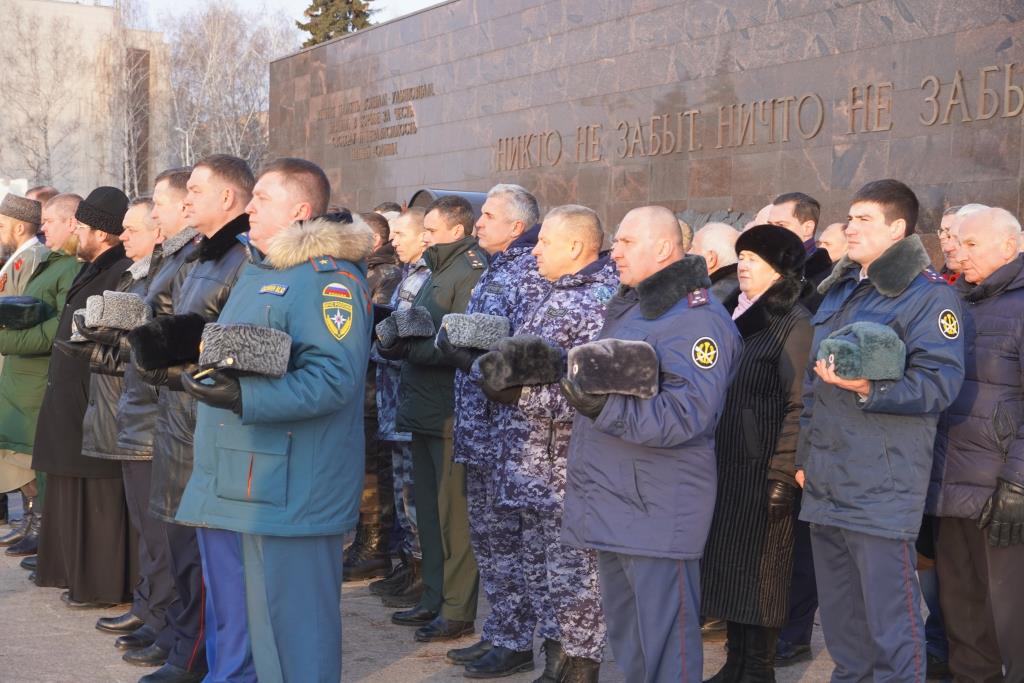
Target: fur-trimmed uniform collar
{"x": 662, "y": 290}
{"x": 212, "y": 248}
{"x": 891, "y": 273}
{"x": 173, "y": 244}
{"x": 776, "y": 302}
{"x": 304, "y": 240}
{"x": 140, "y": 268}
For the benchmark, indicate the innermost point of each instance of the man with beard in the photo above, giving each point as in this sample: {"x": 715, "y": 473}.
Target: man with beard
{"x": 23, "y": 381}
{"x": 83, "y": 545}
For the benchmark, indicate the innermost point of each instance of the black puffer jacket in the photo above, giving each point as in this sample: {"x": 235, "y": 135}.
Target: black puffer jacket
{"x": 982, "y": 433}
{"x": 106, "y": 384}
{"x": 218, "y": 261}
{"x": 137, "y": 409}
{"x": 58, "y": 444}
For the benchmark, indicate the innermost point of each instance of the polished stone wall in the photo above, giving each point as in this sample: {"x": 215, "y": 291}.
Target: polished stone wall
{"x": 699, "y": 104}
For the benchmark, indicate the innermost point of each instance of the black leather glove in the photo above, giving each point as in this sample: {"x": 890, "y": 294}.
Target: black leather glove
{"x": 509, "y": 396}
{"x": 397, "y": 351}
{"x": 217, "y": 389}
{"x": 380, "y": 312}
{"x": 588, "y": 405}
{"x": 1003, "y": 514}
{"x": 77, "y": 350}
{"x": 456, "y": 356}
{"x": 780, "y": 500}
{"x": 100, "y": 335}
{"x": 169, "y": 377}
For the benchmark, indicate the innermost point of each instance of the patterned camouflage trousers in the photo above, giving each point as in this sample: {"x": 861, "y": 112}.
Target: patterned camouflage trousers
{"x": 496, "y": 537}
{"x": 563, "y": 585}
{"x": 405, "y": 503}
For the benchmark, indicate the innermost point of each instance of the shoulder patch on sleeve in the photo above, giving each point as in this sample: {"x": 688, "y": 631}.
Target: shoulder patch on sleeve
{"x": 705, "y": 353}
{"x": 949, "y": 324}
{"x": 933, "y": 275}
{"x": 337, "y": 290}
{"x": 698, "y": 297}
{"x": 337, "y": 318}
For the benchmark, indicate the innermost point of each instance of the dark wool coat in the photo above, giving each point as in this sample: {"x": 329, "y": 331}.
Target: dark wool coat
{"x": 984, "y": 427}
{"x": 218, "y": 261}
{"x": 725, "y": 284}
{"x": 58, "y": 445}
{"x": 747, "y": 561}
{"x": 816, "y": 269}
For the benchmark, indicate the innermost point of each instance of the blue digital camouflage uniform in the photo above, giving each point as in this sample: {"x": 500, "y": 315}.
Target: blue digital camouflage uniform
{"x": 562, "y": 580}
{"x": 388, "y": 380}
{"x": 509, "y": 287}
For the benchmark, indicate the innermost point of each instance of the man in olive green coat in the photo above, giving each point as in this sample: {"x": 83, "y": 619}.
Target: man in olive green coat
{"x": 447, "y": 608}
{"x": 24, "y": 375}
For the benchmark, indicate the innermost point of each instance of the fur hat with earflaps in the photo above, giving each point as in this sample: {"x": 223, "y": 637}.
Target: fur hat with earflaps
{"x": 865, "y": 350}
{"x": 168, "y": 340}
{"x": 522, "y": 360}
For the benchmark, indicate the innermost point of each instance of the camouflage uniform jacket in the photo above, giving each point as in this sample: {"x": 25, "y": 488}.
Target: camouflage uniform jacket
{"x": 389, "y": 371}
{"x": 383, "y": 275}
{"x": 535, "y": 433}
{"x": 510, "y": 287}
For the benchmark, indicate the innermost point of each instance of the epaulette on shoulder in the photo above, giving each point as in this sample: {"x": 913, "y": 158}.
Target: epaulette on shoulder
{"x": 698, "y": 297}
{"x": 323, "y": 264}
{"x": 476, "y": 260}
{"x": 933, "y": 275}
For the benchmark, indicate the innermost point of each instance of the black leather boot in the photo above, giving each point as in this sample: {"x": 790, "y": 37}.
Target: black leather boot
{"x": 465, "y": 655}
{"x": 367, "y": 557}
{"x": 581, "y": 670}
{"x": 555, "y": 662}
{"x": 21, "y": 529}
{"x": 759, "y": 654}
{"x": 411, "y": 590}
{"x": 734, "y": 648}
{"x": 30, "y": 543}
{"x": 3, "y": 508}
{"x": 394, "y": 580}
{"x": 499, "y": 662}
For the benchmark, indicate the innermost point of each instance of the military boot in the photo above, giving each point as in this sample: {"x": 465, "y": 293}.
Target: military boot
{"x": 367, "y": 557}
{"x": 735, "y": 645}
{"x": 581, "y": 670}
{"x": 30, "y": 543}
{"x": 759, "y": 654}
{"x": 411, "y": 590}
{"x": 21, "y": 529}
{"x": 555, "y": 662}
{"x": 394, "y": 580}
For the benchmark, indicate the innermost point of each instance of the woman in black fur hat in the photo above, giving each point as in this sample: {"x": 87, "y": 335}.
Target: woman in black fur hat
{"x": 749, "y": 554}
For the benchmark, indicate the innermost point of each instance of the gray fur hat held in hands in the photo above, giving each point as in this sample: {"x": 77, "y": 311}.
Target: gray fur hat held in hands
{"x": 116, "y": 310}
{"x": 475, "y": 330}
{"x": 522, "y": 360}
{"x": 249, "y": 349}
{"x": 865, "y": 350}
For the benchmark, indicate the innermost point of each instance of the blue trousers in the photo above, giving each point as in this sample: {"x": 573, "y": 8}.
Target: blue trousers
{"x": 652, "y": 606}
{"x": 228, "y": 651}
{"x": 870, "y": 604}
{"x": 293, "y": 594}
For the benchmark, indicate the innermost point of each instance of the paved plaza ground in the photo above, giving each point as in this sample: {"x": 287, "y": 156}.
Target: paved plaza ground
{"x": 45, "y": 642}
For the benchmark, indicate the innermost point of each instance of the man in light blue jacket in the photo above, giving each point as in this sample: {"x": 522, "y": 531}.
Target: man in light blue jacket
{"x": 280, "y": 460}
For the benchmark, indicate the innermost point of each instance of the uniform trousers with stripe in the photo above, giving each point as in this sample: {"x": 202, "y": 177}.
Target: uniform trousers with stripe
{"x": 187, "y": 623}
{"x": 870, "y": 605}
{"x": 652, "y": 606}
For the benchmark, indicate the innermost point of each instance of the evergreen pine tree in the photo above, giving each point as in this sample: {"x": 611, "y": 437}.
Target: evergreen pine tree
{"x": 327, "y": 19}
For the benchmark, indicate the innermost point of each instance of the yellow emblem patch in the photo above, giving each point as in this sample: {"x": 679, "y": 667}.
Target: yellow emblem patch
{"x": 949, "y": 325}
{"x": 705, "y": 353}
{"x": 338, "y": 318}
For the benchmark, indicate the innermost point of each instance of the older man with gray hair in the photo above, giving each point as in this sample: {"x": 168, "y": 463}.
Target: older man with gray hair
{"x": 977, "y": 486}
{"x": 716, "y": 242}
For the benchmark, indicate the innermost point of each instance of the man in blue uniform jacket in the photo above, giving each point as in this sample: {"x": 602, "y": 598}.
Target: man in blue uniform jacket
{"x": 641, "y": 478}
{"x": 865, "y": 447}
{"x": 280, "y": 460}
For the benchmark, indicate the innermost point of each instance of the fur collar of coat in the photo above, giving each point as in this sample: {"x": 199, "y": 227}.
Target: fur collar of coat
{"x": 891, "y": 273}
{"x": 776, "y": 302}
{"x": 662, "y": 290}
{"x": 305, "y": 240}
{"x": 213, "y": 248}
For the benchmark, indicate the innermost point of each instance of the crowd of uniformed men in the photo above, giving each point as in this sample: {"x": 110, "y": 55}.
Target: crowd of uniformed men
{"x": 656, "y": 445}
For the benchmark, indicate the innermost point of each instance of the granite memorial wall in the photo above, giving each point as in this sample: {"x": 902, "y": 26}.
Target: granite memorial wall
{"x": 703, "y": 105}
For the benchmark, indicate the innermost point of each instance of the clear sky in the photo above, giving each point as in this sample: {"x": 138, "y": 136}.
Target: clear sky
{"x": 389, "y": 9}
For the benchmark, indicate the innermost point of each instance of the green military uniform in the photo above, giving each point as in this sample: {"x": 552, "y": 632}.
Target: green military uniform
{"x": 24, "y": 375}
{"x": 426, "y": 406}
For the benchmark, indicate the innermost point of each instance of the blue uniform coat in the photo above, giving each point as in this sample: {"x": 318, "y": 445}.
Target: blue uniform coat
{"x": 642, "y": 477}
{"x": 867, "y": 463}
{"x": 292, "y": 463}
